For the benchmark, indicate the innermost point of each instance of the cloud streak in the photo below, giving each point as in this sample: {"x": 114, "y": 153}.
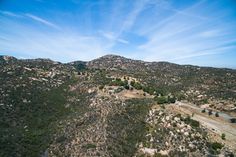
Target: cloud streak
{"x": 183, "y": 35}
{"x": 43, "y": 21}
{"x": 110, "y": 36}
{"x": 8, "y": 13}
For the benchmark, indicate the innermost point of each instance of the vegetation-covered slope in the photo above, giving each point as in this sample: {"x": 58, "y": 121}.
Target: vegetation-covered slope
{"x": 102, "y": 107}
{"x": 196, "y": 84}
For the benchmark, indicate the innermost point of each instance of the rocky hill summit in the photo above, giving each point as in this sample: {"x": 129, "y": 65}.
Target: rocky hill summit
{"x": 115, "y": 61}
{"x": 114, "y": 106}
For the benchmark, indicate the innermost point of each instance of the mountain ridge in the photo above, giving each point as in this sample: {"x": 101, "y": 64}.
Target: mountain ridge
{"x": 111, "y": 56}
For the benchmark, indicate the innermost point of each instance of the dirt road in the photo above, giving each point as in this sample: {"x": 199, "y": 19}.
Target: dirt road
{"x": 215, "y": 125}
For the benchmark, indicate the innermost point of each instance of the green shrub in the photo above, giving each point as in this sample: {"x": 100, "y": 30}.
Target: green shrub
{"x": 126, "y": 86}
{"x": 180, "y": 96}
{"x": 149, "y": 90}
{"x": 223, "y": 136}
{"x": 161, "y": 99}
{"x": 210, "y": 112}
{"x": 233, "y": 120}
{"x": 137, "y": 86}
{"x": 89, "y": 146}
{"x": 132, "y": 83}
{"x": 205, "y": 101}
{"x": 101, "y": 87}
{"x": 171, "y": 99}
{"x": 193, "y": 123}
{"x": 118, "y": 82}
{"x": 216, "y": 145}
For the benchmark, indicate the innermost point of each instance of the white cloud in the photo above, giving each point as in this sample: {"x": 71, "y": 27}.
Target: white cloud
{"x": 8, "y": 13}
{"x": 185, "y": 34}
{"x": 111, "y": 36}
{"x": 209, "y": 33}
{"x": 59, "y": 46}
{"x": 123, "y": 41}
{"x": 127, "y": 20}
{"x": 211, "y": 51}
{"x": 43, "y": 21}
{"x": 132, "y": 16}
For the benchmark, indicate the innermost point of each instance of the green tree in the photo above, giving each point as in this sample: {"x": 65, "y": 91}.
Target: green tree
{"x": 171, "y": 99}
{"x": 161, "y": 99}
{"x": 101, "y": 87}
{"x": 223, "y": 136}
{"x": 210, "y": 112}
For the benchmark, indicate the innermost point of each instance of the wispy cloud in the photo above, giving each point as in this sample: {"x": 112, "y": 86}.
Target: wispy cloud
{"x": 184, "y": 34}
{"x": 128, "y": 20}
{"x": 8, "y": 13}
{"x": 132, "y": 16}
{"x": 43, "y": 21}
{"x": 58, "y": 46}
{"x": 210, "y": 33}
{"x": 210, "y": 51}
{"x": 123, "y": 41}
{"x": 111, "y": 36}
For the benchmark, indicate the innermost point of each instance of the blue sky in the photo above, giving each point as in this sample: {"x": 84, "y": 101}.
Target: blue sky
{"x": 199, "y": 32}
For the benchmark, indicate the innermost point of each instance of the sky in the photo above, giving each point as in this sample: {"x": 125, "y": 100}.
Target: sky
{"x": 198, "y": 32}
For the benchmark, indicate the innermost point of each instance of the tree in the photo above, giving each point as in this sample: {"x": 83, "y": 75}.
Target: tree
{"x": 216, "y": 145}
{"x": 223, "y": 136}
{"x": 101, "y": 87}
{"x": 217, "y": 114}
{"x": 126, "y": 86}
{"x": 136, "y": 85}
{"x": 161, "y": 100}
{"x": 118, "y": 79}
{"x": 132, "y": 83}
{"x": 180, "y": 96}
{"x": 171, "y": 99}
{"x": 191, "y": 122}
{"x": 210, "y": 112}
{"x": 233, "y": 120}
{"x": 204, "y": 110}
{"x": 151, "y": 90}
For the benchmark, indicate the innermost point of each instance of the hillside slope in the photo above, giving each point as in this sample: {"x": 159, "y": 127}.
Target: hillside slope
{"x": 193, "y": 83}
{"x": 108, "y": 107}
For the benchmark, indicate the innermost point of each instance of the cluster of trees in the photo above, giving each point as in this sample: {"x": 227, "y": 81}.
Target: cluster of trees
{"x": 210, "y": 112}
{"x": 136, "y": 85}
{"x": 125, "y": 84}
{"x": 119, "y": 82}
{"x": 193, "y": 123}
{"x": 160, "y": 98}
{"x": 215, "y": 147}
{"x": 165, "y": 99}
